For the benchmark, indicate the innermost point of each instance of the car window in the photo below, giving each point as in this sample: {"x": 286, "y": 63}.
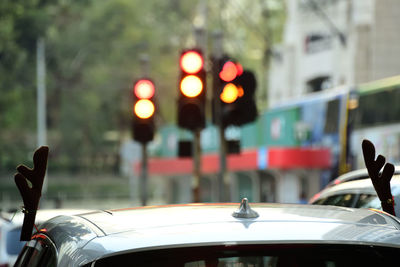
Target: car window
{"x": 344, "y": 200}
{"x": 37, "y": 252}
{"x": 368, "y": 201}
{"x": 256, "y": 256}
{"x": 397, "y": 205}
{"x": 260, "y": 261}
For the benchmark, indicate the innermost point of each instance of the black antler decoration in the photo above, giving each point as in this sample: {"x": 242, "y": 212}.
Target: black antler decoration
{"x": 31, "y": 195}
{"x": 381, "y": 182}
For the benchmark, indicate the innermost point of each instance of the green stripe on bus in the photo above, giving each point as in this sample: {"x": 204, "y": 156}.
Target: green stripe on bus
{"x": 383, "y": 84}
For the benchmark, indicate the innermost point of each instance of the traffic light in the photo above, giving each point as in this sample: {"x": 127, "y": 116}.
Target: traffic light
{"x": 235, "y": 93}
{"x": 143, "y": 110}
{"x": 192, "y": 90}
{"x": 230, "y": 91}
{"x": 245, "y": 110}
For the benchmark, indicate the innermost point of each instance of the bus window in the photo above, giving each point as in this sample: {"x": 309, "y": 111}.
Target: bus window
{"x": 378, "y": 108}
{"x": 332, "y": 117}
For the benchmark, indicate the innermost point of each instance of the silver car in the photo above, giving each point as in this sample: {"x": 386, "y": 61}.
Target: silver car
{"x": 217, "y": 235}
{"x": 10, "y": 231}
{"x": 356, "y": 194}
{"x": 355, "y": 175}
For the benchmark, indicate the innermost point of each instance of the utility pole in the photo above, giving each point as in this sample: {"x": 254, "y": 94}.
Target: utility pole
{"x": 217, "y": 55}
{"x": 41, "y": 99}
{"x": 144, "y": 63}
{"x": 201, "y": 44}
{"x": 143, "y": 175}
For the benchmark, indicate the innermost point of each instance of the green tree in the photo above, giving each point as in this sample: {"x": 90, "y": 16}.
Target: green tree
{"x": 93, "y": 49}
{"x": 21, "y": 22}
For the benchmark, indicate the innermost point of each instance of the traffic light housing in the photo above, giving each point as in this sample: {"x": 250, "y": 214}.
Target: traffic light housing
{"x": 192, "y": 90}
{"x": 143, "y": 110}
{"x": 245, "y": 110}
{"x": 235, "y": 93}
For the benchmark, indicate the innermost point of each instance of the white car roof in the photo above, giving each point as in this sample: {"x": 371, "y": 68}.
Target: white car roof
{"x": 356, "y": 174}
{"x": 45, "y": 214}
{"x": 100, "y": 234}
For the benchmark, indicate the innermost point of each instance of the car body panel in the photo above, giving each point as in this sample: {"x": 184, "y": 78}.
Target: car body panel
{"x": 43, "y": 215}
{"x": 16, "y": 219}
{"x": 118, "y": 221}
{"x": 101, "y": 234}
{"x": 355, "y": 175}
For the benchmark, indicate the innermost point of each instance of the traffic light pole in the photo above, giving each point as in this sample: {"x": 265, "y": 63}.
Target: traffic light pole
{"x": 144, "y": 63}
{"x": 222, "y": 164}
{"x": 41, "y": 104}
{"x": 143, "y": 175}
{"x": 196, "y": 165}
{"x": 217, "y": 54}
{"x": 201, "y": 43}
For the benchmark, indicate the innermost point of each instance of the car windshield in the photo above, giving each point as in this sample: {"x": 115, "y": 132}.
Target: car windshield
{"x": 368, "y": 201}
{"x": 257, "y": 256}
{"x": 344, "y": 200}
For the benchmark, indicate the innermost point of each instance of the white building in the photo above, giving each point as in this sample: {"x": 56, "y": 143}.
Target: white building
{"x": 334, "y": 42}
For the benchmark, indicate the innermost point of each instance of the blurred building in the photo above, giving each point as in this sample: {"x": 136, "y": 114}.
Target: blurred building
{"x": 328, "y": 43}
{"x": 293, "y": 148}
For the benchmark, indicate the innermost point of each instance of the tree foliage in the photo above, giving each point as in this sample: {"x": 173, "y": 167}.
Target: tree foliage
{"x": 93, "y": 49}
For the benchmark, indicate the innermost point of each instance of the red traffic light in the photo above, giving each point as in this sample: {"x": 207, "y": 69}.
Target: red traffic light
{"x": 143, "y": 110}
{"x": 144, "y": 89}
{"x": 239, "y": 69}
{"x": 191, "y": 62}
{"x": 228, "y": 72}
{"x": 192, "y": 89}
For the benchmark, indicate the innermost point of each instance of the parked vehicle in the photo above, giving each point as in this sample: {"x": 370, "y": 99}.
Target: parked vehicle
{"x": 356, "y": 194}
{"x": 217, "y": 235}
{"x": 4, "y": 249}
{"x": 10, "y": 227}
{"x": 355, "y": 175}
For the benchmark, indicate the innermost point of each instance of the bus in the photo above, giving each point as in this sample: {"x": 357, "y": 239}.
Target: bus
{"x": 315, "y": 122}
{"x": 377, "y": 118}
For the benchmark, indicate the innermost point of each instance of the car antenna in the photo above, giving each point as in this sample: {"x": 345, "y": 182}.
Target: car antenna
{"x": 381, "y": 182}
{"x": 245, "y": 211}
{"x": 31, "y": 194}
